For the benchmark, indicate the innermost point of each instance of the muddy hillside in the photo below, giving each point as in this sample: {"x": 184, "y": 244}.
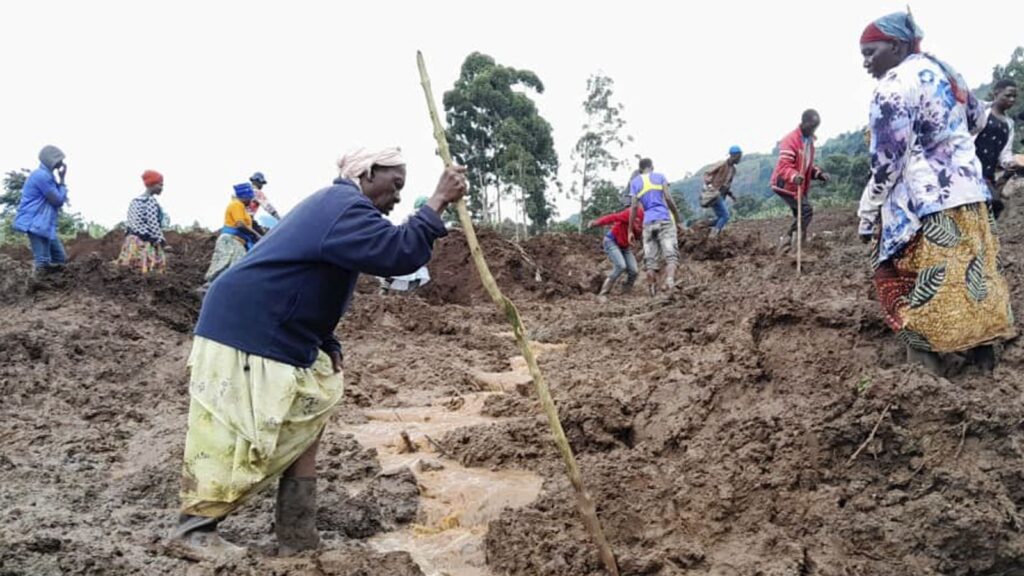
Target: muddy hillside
{"x": 754, "y": 423}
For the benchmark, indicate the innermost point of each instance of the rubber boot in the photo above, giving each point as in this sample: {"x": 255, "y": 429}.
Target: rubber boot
{"x": 670, "y": 277}
{"x": 628, "y": 286}
{"x": 196, "y": 538}
{"x": 983, "y": 357}
{"x": 605, "y": 288}
{"x": 295, "y": 516}
{"x": 931, "y": 361}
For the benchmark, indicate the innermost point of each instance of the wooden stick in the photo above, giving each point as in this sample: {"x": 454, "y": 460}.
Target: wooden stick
{"x": 583, "y": 500}
{"x": 799, "y": 231}
{"x": 870, "y": 436}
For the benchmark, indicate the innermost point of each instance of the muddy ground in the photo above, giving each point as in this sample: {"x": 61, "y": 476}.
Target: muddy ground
{"x": 715, "y": 428}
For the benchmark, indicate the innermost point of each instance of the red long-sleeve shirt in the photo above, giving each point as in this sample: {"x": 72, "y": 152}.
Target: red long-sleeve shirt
{"x": 620, "y": 225}
{"x": 792, "y": 163}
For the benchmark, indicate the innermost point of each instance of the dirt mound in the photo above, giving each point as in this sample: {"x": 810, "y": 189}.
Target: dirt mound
{"x": 549, "y": 266}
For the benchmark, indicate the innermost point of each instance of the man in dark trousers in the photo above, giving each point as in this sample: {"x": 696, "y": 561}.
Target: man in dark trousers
{"x": 794, "y": 172}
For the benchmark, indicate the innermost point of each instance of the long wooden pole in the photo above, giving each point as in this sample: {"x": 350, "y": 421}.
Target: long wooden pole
{"x": 583, "y": 500}
{"x": 799, "y": 229}
{"x": 800, "y": 208}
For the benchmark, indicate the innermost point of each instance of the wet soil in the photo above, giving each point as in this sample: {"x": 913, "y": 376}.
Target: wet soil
{"x": 715, "y": 427}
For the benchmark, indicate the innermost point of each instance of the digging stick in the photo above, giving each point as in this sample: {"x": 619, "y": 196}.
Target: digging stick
{"x": 799, "y": 230}
{"x": 583, "y": 500}
{"x": 800, "y": 210}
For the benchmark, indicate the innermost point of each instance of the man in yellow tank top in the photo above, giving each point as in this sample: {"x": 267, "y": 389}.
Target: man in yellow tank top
{"x": 650, "y": 190}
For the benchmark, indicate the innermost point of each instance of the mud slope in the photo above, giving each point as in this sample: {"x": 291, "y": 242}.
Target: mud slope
{"x": 715, "y": 428}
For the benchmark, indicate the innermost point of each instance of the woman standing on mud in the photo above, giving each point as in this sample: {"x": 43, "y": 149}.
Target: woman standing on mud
{"x": 936, "y": 257}
{"x": 263, "y": 384}
{"x": 143, "y": 247}
{"x": 237, "y": 236}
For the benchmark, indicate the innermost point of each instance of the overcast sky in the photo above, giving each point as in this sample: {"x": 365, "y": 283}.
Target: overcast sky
{"x": 208, "y": 92}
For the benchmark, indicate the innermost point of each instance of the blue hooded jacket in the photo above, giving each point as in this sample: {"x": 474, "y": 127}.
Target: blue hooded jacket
{"x": 41, "y": 200}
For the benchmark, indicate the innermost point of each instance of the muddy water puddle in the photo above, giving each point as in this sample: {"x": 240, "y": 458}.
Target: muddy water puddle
{"x": 456, "y": 502}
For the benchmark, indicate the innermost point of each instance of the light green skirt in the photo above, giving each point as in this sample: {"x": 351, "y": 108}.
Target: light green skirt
{"x": 250, "y": 418}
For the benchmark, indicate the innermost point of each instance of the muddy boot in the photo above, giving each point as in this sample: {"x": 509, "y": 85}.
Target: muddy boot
{"x": 931, "y": 361}
{"x": 652, "y": 283}
{"x": 670, "y": 277}
{"x": 295, "y": 516}
{"x": 785, "y": 243}
{"x": 983, "y": 357}
{"x": 196, "y": 538}
{"x": 605, "y": 288}
{"x": 627, "y": 288}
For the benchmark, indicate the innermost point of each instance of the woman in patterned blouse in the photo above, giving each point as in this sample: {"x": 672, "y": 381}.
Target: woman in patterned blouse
{"x": 143, "y": 247}
{"x": 936, "y": 257}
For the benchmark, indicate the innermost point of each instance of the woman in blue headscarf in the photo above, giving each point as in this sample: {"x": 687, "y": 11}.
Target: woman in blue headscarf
{"x": 936, "y": 256}
{"x": 237, "y": 235}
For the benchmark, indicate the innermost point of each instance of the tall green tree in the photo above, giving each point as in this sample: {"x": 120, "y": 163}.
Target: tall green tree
{"x": 597, "y": 149}
{"x": 494, "y": 128}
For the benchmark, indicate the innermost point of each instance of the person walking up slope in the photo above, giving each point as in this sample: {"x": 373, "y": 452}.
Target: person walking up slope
{"x": 718, "y": 186}
{"x": 794, "y": 172}
{"x": 617, "y": 246}
{"x": 660, "y": 219}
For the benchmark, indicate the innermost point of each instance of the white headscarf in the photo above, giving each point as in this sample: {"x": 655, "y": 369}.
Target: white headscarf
{"x": 358, "y": 162}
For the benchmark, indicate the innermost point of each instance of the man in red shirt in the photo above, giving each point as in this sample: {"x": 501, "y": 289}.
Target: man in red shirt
{"x": 616, "y": 246}
{"x": 794, "y": 171}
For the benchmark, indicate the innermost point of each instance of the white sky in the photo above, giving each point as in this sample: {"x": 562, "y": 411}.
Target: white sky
{"x": 208, "y": 92}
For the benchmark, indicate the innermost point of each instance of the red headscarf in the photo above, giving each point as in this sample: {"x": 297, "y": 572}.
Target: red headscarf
{"x": 898, "y": 27}
{"x": 152, "y": 178}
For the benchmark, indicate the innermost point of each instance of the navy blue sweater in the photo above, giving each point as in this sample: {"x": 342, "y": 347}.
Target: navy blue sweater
{"x": 285, "y": 298}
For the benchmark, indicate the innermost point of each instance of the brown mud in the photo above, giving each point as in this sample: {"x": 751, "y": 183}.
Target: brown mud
{"x": 714, "y": 427}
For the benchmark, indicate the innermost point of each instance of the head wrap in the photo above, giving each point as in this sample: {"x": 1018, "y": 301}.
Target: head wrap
{"x": 735, "y": 150}
{"x": 359, "y": 161}
{"x": 51, "y": 156}
{"x": 151, "y": 178}
{"x": 899, "y": 27}
{"x": 244, "y": 191}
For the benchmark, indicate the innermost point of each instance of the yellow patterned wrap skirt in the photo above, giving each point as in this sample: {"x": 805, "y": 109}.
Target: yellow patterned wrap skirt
{"x": 945, "y": 291}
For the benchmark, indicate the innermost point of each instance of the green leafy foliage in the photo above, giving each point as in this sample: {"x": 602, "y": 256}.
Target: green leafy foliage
{"x": 495, "y": 130}
{"x": 595, "y": 152}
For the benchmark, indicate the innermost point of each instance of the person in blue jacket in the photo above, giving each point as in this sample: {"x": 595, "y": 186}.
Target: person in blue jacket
{"x": 42, "y": 197}
{"x": 265, "y": 363}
